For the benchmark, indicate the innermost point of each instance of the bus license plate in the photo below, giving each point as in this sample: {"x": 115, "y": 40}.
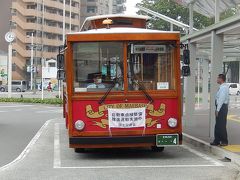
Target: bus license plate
{"x": 167, "y": 139}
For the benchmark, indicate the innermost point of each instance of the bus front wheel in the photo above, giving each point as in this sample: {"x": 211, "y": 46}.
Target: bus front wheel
{"x": 157, "y": 149}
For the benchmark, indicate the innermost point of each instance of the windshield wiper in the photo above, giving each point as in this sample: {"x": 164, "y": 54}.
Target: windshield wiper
{"x": 107, "y": 92}
{"x": 143, "y": 89}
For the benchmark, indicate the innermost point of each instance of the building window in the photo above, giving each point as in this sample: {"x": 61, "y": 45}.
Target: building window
{"x": 52, "y": 64}
{"x": 31, "y": 6}
{"x": 31, "y": 20}
{"x": 14, "y": 52}
{"x": 91, "y": 9}
{"x": 14, "y": 69}
{"x": 14, "y": 12}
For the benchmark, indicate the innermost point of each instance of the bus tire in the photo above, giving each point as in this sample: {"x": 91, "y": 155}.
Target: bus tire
{"x": 157, "y": 149}
{"x": 18, "y": 90}
{"x": 79, "y": 150}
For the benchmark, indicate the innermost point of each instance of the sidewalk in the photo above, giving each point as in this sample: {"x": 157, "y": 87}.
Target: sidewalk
{"x": 197, "y": 132}
{"x": 198, "y": 126}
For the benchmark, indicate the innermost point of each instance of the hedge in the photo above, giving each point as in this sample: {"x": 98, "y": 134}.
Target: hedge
{"x": 33, "y": 100}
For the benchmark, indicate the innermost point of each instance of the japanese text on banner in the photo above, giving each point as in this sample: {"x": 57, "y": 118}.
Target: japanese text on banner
{"x": 127, "y": 118}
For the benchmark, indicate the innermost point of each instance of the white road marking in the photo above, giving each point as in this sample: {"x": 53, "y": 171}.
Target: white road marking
{"x": 49, "y": 111}
{"x": 203, "y": 156}
{"x": 160, "y": 166}
{"x": 57, "y": 156}
{"x": 17, "y": 110}
{"x": 28, "y": 147}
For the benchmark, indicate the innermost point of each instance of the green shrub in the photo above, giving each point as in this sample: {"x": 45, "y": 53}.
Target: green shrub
{"x": 33, "y": 100}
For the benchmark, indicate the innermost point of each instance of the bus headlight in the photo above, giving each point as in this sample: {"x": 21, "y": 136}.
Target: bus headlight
{"x": 79, "y": 125}
{"x": 172, "y": 122}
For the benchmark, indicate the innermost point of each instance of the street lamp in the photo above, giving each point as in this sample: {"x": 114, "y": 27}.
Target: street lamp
{"x": 10, "y": 37}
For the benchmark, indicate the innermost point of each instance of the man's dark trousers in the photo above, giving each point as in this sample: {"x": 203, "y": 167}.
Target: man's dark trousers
{"x": 220, "y": 132}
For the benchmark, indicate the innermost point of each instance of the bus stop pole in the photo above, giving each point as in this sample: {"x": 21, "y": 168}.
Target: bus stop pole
{"x": 216, "y": 68}
{"x": 10, "y": 70}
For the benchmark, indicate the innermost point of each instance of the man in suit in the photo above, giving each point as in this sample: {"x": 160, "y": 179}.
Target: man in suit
{"x": 221, "y": 101}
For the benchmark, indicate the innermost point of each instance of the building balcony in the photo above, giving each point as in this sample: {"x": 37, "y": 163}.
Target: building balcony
{"x": 55, "y": 4}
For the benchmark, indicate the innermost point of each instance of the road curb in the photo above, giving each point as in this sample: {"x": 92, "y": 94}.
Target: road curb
{"x": 218, "y": 151}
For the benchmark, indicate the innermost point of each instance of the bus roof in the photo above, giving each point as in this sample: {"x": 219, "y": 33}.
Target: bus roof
{"x": 116, "y": 15}
{"x": 94, "y": 19}
{"x": 125, "y": 30}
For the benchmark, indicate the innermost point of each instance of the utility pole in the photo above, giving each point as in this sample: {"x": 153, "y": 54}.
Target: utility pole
{"x": 31, "y": 63}
{"x": 42, "y": 58}
{"x": 63, "y": 40}
{"x": 70, "y": 21}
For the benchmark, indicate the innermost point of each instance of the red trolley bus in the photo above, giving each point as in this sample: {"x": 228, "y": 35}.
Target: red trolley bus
{"x": 122, "y": 85}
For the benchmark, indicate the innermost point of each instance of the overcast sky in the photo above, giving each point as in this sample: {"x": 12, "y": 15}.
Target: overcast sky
{"x": 130, "y": 4}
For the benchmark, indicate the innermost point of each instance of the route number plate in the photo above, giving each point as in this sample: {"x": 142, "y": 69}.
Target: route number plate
{"x": 167, "y": 139}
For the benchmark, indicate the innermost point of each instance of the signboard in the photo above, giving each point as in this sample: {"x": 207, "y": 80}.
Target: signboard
{"x": 127, "y": 118}
{"x": 162, "y": 85}
{"x": 149, "y": 49}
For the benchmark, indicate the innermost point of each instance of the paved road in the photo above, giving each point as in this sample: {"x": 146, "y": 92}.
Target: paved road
{"x": 18, "y": 124}
{"x": 49, "y": 158}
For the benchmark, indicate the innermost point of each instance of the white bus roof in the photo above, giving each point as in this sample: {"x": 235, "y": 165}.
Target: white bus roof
{"x": 124, "y": 30}
{"x": 91, "y": 18}
{"x": 116, "y": 15}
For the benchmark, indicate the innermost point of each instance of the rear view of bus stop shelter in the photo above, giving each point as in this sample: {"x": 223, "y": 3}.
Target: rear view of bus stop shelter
{"x": 213, "y": 45}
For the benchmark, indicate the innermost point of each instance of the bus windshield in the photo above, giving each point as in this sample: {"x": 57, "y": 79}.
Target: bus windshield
{"x": 151, "y": 65}
{"x": 98, "y": 66}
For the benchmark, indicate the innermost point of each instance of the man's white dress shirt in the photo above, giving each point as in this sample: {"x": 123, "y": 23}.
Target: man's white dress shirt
{"x": 222, "y": 96}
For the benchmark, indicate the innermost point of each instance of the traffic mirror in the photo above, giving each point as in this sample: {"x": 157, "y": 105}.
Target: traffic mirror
{"x": 60, "y": 61}
{"x": 61, "y": 75}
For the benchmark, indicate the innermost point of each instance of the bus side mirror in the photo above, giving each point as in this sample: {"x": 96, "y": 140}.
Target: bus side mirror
{"x": 61, "y": 74}
{"x": 186, "y": 71}
{"x": 60, "y": 61}
{"x": 186, "y": 56}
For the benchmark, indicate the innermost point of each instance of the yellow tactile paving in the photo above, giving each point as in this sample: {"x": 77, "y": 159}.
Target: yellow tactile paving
{"x": 233, "y": 118}
{"x": 232, "y": 148}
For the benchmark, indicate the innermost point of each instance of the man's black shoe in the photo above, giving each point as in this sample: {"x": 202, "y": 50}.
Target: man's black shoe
{"x": 214, "y": 144}
{"x": 224, "y": 144}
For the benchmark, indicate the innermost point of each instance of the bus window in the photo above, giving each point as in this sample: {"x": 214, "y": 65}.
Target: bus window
{"x": 151, "y": 65}
{"x": 98, "y": 66}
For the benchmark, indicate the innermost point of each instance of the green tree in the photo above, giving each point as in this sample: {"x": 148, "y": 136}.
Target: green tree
{"x": 173, "y": 10}
{"x": 228, "y": 13}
